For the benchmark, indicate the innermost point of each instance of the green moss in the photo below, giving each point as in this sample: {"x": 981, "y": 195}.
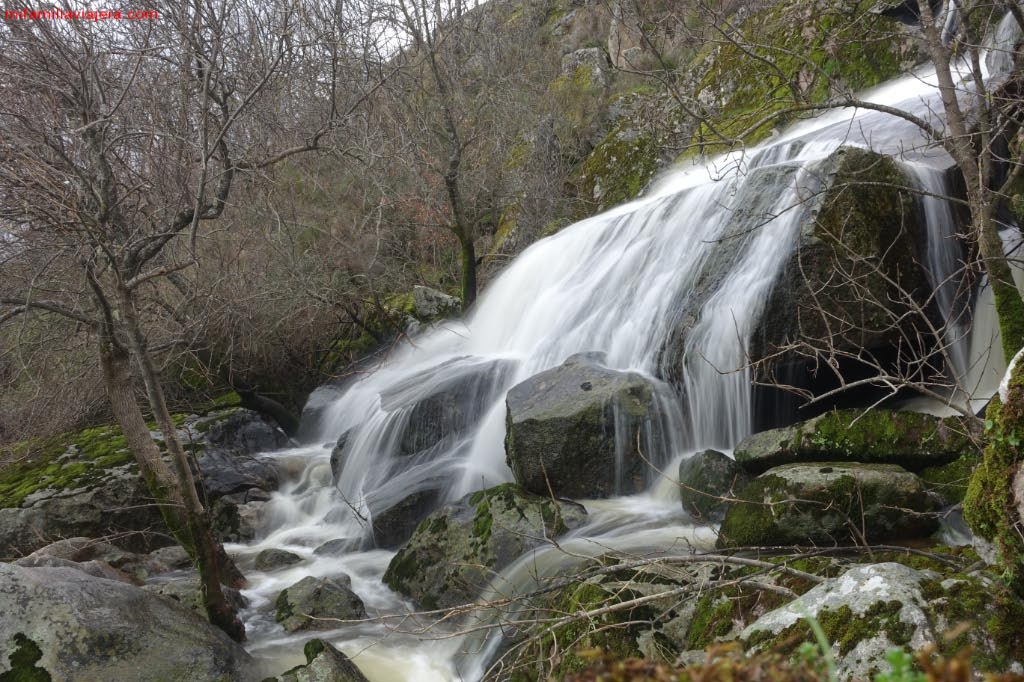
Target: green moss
{"x": 712, "y": 618}
{"x": 950, "y": 480}
{"x": 312, "y": 649}
{"x": 23, "y": 662}
{"x": 843, "y": 628}
{"x": 989, "y": 506}
{"x": 62, "y": 462}
{"x": 794, "y": 53}
{"x": 748, "y": 523}
{"x": 621, "y": 165}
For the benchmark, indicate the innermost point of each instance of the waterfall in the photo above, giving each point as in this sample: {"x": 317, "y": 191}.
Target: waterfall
{"x": 700, "y": 252}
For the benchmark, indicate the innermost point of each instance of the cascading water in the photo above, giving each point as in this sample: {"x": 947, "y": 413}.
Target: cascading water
{"x": 702, "y": 250}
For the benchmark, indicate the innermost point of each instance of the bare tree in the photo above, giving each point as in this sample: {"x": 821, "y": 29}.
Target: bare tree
{"x": 120, "y": 142}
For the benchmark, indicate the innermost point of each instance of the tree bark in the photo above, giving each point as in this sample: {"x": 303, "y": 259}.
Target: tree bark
{"x": 212, "y": 562}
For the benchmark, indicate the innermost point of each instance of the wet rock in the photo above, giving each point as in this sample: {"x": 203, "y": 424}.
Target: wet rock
{"x": 829, "y": 502}
{"x": 77, "y": 627}
{"x": 457, "y": 549}
{"x": 910, "y": 439}
{"x": 565, "y": 426}
{"x": 338, "y": 455}
{"x": 442, "y": 403}
{"x": 324, "y": 663}
{"x": 306, "y": 604}
{"x": 704, "y": 479}
{"x": 273, "y": 559}
{"x": 394, "y": 525}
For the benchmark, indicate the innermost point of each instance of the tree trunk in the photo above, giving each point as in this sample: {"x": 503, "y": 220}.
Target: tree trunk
{"x": 213, "y": 563}
{"x": 468, "y": 273}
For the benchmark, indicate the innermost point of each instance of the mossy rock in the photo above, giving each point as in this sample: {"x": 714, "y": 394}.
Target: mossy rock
{"x": 872, "y": 608}
{"x": 990, "y": 507}
{"x": 913, "y": 440}
{"x": 829, "y": 502}
{"x": 455, "y": 551}
{"x": 791, "y": 53}
{"x": 561, "y": 430}
{"x": 318, "y": 604}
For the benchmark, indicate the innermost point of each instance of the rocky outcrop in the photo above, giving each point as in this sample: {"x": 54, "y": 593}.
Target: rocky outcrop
{"x": 572, "y": 430}
{"x": 87, "y": 484}
{"x": 62, "y": 624}
{"x": 912, "y": 440}
{"x": 317, "y": 604}
{"x": 457, "y": 549}
{"x": 826, "y": 503}
{"x": 324, "y": 663}
{"x": 707, "y": 480}
{"x": 870, "y": 609}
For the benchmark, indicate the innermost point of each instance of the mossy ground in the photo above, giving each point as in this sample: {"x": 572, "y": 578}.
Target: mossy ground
{"x": 62, "y": 462}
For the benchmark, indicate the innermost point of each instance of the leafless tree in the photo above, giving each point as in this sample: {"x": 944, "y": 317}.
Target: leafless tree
{"x": 120, "y": 141}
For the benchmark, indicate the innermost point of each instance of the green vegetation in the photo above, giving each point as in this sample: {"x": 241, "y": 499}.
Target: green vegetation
{"x": 23, "y": 662}
{"x": 62, "y": 463}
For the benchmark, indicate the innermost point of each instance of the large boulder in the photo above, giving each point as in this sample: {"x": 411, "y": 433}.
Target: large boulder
{"x": 830, "y": 502}
{"x": 912, "y": 440}
{"x": 87, "y": 484}
{"x": 441, "y": 403}
{"x": 851, "y": 283}
{"x": 456, "y": 550}
{"x": 317, "y": 604}
{"x": 62, "y": 624}
{"x": 572, "y": 430}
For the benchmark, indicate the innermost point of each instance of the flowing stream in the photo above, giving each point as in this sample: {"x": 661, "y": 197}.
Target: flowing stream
{"x": 615, "y": 283}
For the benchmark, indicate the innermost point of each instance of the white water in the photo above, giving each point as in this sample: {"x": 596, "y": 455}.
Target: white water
{"x": 615, "y": 283}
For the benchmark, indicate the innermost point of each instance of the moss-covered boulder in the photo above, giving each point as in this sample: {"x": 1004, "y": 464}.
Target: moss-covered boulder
{"x": 706, "y": 480}
{"x": 324, "y": 663}
{"x": 871, "y": 608}
{"x": 847, "y": 283}
{"x": 318, "y": 604}
{"x": 573, "y": 430}
{"x": 912, "y": 440}
{"x": 993, "y": 506}
{"x": 87, "y": 484}
{"x": 62, "y": 624}
{"x": 830, "y": 502}
{"x": 456, "y": 550}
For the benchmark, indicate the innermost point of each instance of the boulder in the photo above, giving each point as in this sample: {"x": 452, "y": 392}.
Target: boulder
{"x": 188, "y": 591}
{"x": 572, "y": 430}
{"x": 87, "y": 484}
{"x": 457, "y": 549}
{"x": 88, "y": 552}
{"x": 430, "y": 304}
{"x": 62, "y": 624}
{"x": 704, "y": 479}
{"x": 589, "y": 66}
{"x": 830, "y": 502}
{"x": 912, "y": 440}
{"x": 872, "y": 608}
{"x": 304, "y": 605}
{"x": 442, "y": 403}
{"x": 858, "y": 221}
{"x": 394, "y": 525}
{"x": 324, "y": 663}
{"x": 273, "y": 559}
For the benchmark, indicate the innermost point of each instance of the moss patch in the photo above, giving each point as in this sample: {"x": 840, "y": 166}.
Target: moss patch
{"x": 62, "y": 462}
{"x": 989, "y": 506}
{"x": 23, "y": 662}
